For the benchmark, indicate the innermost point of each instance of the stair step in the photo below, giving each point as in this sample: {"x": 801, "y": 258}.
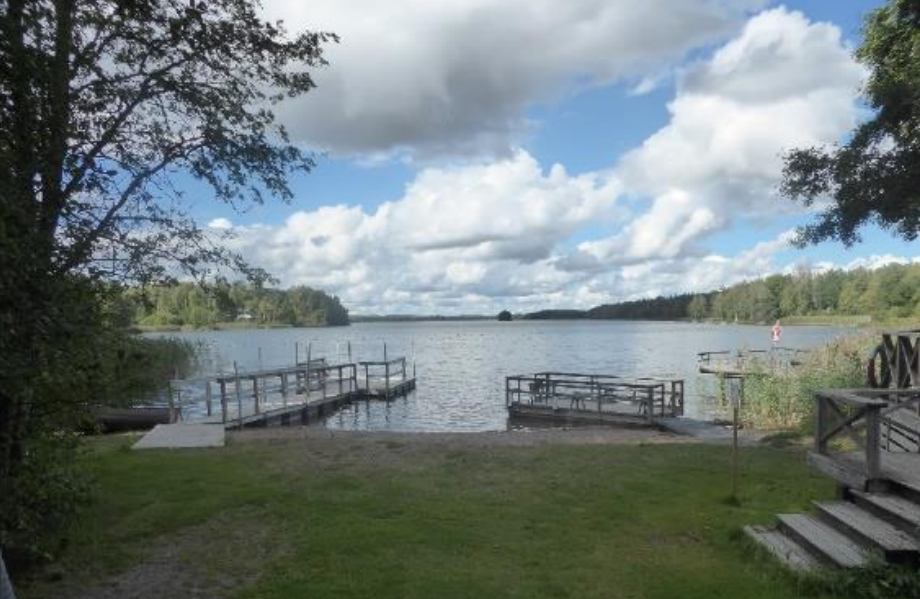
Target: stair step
{"x": 865, "y": 528}
{"x": 824, "y": 541}
{"x": 895, "y": 509}
{"x": 790, "y": 553}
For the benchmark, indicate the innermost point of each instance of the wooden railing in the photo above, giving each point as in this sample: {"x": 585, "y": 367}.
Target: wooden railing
{"x": 856, "y": 415}
{"x": 748, "y": 360}
{"x": 384, "y": 372}
{"x": 875, "y": 420}
{"x": 245, "y": 392}
{"x": 655, "y": 397}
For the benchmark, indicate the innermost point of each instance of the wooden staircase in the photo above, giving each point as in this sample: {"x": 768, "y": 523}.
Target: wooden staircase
{"x": 846, "y": 534}
{"x": 878, "y": 515}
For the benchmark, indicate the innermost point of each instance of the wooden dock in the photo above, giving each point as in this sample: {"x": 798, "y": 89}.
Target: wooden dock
{"x": 748, "y": 361}
{"x": 299, "y": 394}
{"x": 577, "y": 398}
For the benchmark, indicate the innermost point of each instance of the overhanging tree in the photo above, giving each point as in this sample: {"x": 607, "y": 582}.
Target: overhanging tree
{"x": 104, "y": 106}
{"x": 875, "y": 176}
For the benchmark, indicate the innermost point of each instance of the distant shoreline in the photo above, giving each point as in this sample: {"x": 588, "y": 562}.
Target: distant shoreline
{"x": 227, "y": 326}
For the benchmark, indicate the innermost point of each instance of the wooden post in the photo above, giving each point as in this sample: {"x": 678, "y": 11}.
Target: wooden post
{"x": 736, "y": 394}
{"x": 367, "y": 379}
{"x": 404, "y": 370}
{"x": 734, "y": 450}
{"x": 284, "y": 388}
{"x": 239, "y": 394}
{"x": 176, "y": 411}
{"x": 255, "y": 393}
{"x": 386, "y": 370}
{"x": 172, "y": 403}
{"x": 323, "y": 376}
{"x": 650, "y": 399}
{"x": 821, "y": 414}
{"x": 223, "y": 400}
{"x": 873, "y": 447}
{"x": 296, "y": 353}
{"x": 349, "y": 351}
{"x": 309, "y": 360}
{"x": 207, "y": 395}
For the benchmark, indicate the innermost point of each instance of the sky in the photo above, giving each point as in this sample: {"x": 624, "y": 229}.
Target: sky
{"x": 481, "y": 155}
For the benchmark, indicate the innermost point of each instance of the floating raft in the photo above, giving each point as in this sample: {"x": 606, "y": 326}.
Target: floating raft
{"x": 577, "y": 398}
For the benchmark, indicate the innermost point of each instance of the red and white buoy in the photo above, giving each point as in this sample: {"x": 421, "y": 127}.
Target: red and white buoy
{"x": 776, "y": 332}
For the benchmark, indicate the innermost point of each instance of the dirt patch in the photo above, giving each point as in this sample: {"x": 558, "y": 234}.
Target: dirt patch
{"x": 521, "y": 438}
{"x": 323, "y": 448}
{"x": 188, "y": 564}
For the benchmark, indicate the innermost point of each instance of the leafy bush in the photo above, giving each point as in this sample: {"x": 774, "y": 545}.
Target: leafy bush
{"x": 89, "y": 360}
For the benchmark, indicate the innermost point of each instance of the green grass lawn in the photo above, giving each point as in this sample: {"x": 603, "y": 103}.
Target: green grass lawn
{"x": 364, "y": 517}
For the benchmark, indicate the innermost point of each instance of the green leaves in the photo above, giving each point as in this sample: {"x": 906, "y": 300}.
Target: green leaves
{"x": 875, "y": 176}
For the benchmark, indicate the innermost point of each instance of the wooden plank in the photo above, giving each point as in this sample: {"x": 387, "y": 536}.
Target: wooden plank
{"x": 849, "y": 473}
{"x": 901, "y": 468}
{"x": 823, "y": 541}
{"x": 895, "y": 509}
{"x": 790, "y": 553}
{"x": 862, "y": 526}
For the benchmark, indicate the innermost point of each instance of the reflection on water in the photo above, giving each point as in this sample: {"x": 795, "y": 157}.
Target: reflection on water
{"x": 461, "y": 365}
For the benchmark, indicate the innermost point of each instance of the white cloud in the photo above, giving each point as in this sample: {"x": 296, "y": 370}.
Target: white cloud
{"x": 220, "y": 224}
{"x": 783, "y": 83}
{"x": 876, "y": 261}
{"x": 474, "y": 231}
{"x": 454, "y": 77}
{"x": 511, "y": 233}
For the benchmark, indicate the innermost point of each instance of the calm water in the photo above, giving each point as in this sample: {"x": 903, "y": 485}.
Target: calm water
{"x": 461, "y": 365}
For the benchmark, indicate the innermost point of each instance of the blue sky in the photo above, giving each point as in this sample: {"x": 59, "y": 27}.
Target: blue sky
{"x": 478, "y": 155}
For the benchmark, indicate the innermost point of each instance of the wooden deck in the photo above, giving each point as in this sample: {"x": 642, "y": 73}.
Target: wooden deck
{"x": 298, "y": 394}
{"x": 749, "y": 361}
{"x": 849, "y": 469}
{"x": 565, "y": 397}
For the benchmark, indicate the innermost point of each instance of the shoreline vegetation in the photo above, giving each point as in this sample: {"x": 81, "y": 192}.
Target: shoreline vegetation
{"x": 886, "y": 296}
{"x": 781, "y": 400}
{"x": 224, "y": 305}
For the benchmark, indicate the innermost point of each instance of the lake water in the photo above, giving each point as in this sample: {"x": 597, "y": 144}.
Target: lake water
{"x": 461, "y": 365}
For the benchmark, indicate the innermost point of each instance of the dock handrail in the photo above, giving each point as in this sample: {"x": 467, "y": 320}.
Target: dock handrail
{"x": 747, "y": 361}
{"x": 289, "y": 384}
{"x": 654, "y": 396}
{"x": 392, "y": 368}
{"x": 857, "y": 414}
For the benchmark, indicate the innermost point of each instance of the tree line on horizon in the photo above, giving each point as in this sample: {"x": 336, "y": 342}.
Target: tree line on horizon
{"x": 191, "y": 304}
{"x": 889, "y": 292}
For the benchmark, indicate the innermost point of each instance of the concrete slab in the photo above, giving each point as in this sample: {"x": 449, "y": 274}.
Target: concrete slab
{"x": 709, "y": 432}
{"x": 176, "y": 436}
